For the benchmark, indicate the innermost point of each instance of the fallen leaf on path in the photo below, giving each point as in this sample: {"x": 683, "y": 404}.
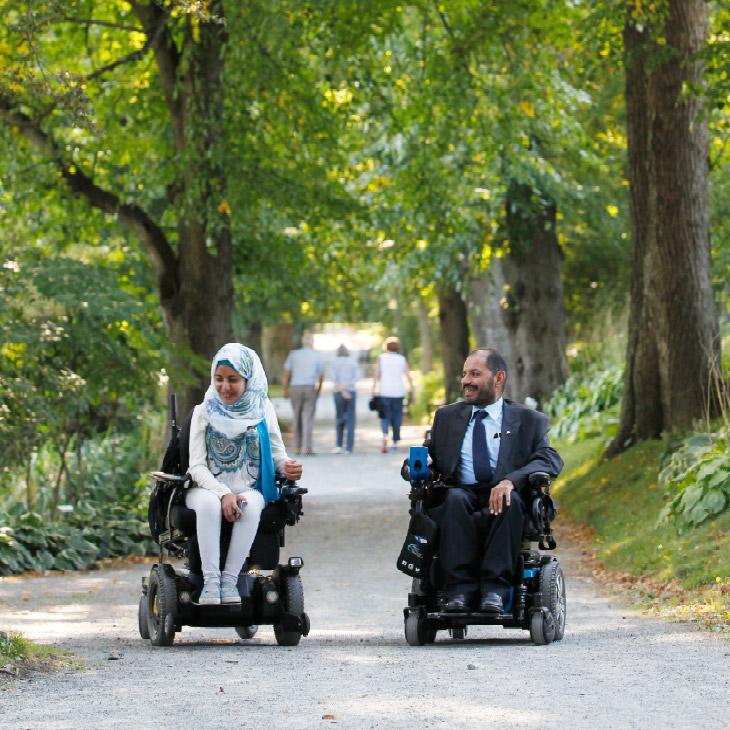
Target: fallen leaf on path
{"x": 328, "y": 717}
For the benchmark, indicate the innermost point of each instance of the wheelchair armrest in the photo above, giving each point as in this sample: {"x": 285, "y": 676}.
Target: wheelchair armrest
{"x": 292, "y": 490}
{"x": 539, "y": 479}
{"x": 172, "y": 478}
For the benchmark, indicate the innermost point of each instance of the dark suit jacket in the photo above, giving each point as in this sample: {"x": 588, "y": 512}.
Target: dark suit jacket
{"x": 523, "y": 449}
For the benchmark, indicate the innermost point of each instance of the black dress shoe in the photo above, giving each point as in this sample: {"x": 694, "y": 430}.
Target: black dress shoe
{"x": 457, "y": 603}
{"x": 491, "y": 603}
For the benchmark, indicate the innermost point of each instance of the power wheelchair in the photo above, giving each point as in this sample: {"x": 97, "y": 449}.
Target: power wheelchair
{"x": 536, "y": 601}
{"x": 271, "y": 593}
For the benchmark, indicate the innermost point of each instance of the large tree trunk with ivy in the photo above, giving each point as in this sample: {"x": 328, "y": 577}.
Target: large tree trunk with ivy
{"x": 672, "y": 364}
{"x": 517, "y": 306}
{"x": 454, "y": 340}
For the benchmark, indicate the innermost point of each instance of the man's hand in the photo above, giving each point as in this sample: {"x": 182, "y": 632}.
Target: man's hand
{"x": 229, "y": 507}
{"x": 499, "y": 496}
{"x": 292, "y": 469}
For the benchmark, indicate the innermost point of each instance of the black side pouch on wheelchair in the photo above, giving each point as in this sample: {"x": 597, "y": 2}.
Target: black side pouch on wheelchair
{"x": 418, "y": 548}
{"x": 157, "y": 508}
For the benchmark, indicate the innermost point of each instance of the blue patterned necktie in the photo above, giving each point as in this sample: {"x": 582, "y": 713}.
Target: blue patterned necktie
{"x": 479, "y": 450}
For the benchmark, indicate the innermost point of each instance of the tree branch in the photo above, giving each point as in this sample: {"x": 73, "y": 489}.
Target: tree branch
{"x": 162, "y": 256}
{"x": 129, "y": 58}
{"x": 154, "y": 20}
{"x": 105, "y": 23}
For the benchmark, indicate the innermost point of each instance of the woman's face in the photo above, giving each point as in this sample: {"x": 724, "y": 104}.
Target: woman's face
{"x": 229, "y": 384}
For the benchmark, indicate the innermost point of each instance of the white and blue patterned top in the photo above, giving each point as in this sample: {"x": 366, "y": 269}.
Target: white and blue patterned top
{"x": 225, "y": 439}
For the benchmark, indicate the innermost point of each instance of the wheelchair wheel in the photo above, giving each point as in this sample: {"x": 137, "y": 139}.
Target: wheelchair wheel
{"x": 418, "y": 630}
{"x": 142, "y": 619}
{"x": 247, "y": 632}
{"x": 293, "y": 604}
{"x": 161, "y": 607}
{"x": 552, "y": 585}
{"x": 458, "y": 632}
{"x": 542, "y": 627}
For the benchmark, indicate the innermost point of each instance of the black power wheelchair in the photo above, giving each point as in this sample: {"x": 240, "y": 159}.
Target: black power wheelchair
{"x": 536, "y": 600}
{"x": 271, "y": 593}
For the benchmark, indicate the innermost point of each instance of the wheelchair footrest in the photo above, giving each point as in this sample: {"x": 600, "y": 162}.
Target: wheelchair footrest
{"x": 470, "y": 617}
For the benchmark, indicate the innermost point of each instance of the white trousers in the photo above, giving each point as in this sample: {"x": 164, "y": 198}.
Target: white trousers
{"x": 208, "y": 516}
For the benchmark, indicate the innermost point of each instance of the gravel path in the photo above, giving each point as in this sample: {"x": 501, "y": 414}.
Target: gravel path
{"x": 614, "y": 668}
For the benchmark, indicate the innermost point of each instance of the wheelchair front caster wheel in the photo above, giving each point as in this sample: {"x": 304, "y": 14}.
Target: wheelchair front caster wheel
{"x": 542, "y": 627}
{"x": 552, "y": 585}
{"x": 142, "y": 619}
{"x": 293, "y": 604}
{"x": 161, "y": 608}
{"x": 247, "y": 632}
{"x": 418, "y": 630}
{"x": 458, "y": 632}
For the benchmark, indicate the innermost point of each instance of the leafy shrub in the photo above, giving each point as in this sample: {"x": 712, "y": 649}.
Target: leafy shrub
{"x": 429, "y": 395}
{"x": 696, "y": 476}
{"x": 94, "y": 532}
{"x": 109, "y": 517}
{"x": 586, "y": 405}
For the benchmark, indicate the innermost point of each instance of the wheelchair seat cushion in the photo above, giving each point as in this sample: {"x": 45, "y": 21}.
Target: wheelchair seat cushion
{"x": 273, "y": 517}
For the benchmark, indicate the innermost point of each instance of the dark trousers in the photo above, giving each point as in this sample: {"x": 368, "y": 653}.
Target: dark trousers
{"x": 345, "y": 418}
{"x": 473, "y": 545}
{"x": 392, "y": 416}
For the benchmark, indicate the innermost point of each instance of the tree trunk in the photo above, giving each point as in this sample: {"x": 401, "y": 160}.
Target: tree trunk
{"x": 276, "y": 341}
{"x": 518, "y": 305}
{"x": 672, "y": 373}
{"x": 485, "y": 310}
{"x": 454, "y": 338}
{"x": 640, "y": 406}
{"x": 194, "y": 273}
{"x": 424, "y": 331}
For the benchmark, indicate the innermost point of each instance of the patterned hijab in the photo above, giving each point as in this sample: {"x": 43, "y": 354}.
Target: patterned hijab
{"x": 232, "y": 420}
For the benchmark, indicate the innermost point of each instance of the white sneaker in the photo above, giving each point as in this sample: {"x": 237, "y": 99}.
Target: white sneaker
{"x": 229, "y": 592}
{"x": 210, "y": 595}
{"x": 337, "y": 450}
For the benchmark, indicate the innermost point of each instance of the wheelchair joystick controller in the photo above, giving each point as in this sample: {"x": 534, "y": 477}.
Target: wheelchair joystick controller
{"x": 418, "y": 465}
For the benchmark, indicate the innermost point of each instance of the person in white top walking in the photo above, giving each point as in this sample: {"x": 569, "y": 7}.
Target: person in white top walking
{"x": 389, "y": 381}
{"x": 345, "y": 374}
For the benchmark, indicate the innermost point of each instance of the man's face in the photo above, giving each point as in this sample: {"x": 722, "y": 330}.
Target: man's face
{"x": 480, "y": 385}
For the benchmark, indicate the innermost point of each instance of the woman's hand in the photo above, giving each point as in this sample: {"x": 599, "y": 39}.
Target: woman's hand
{"x": 292, "y": 469}
{"x": 229, "y": 507}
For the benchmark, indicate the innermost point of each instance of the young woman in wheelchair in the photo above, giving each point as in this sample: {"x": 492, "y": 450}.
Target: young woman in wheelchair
{"x": 236, "y": 450}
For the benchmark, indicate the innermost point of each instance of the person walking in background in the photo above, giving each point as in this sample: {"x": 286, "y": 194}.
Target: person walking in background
{"x": 345, "y": 373}
{"x": 389, "y": 378}
{"x": 303, "y": 375}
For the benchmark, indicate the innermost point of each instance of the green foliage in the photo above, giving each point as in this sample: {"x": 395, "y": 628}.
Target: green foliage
{"x": 686, "y": 574}
{"x": 16, "y": 650}
{"x": 106, "y": 514}
{"x": 695, "y": 472}
{"x": 586, "y": 405}
{"x": 430, "y": 394}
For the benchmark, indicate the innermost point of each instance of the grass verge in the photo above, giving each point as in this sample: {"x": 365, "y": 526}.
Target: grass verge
{"x": 613, "y": 507}
{"x": 20, "y": 656}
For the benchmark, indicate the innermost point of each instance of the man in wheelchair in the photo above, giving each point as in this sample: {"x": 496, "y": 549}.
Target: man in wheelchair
{"x": 482, "y": 452}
